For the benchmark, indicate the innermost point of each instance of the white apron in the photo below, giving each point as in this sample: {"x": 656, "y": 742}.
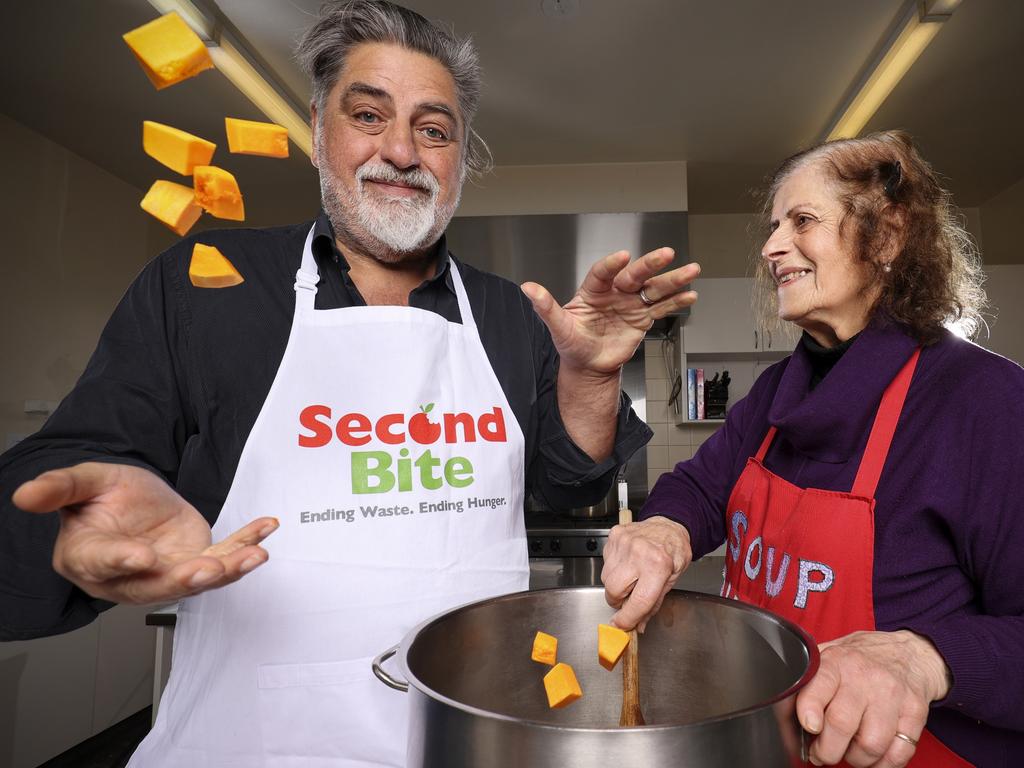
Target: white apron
{"x": 389, "y": 453}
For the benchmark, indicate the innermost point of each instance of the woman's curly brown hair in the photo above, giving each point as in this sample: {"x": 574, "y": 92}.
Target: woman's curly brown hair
{"x": 896, "y": 212}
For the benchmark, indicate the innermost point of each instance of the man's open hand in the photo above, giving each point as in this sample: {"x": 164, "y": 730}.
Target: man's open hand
{"x": 128, "y": 537}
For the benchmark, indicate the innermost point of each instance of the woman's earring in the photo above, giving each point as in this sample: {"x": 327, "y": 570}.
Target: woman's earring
{"x": 887, "y": 267}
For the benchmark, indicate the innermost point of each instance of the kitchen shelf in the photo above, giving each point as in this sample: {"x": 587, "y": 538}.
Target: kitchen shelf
{"x": 721, "y": 334}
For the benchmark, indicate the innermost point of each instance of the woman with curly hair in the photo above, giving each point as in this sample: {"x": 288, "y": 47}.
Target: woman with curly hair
{"x": 871, "y": 485}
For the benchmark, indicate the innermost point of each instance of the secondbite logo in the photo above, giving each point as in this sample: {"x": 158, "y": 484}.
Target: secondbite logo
{"x": 383, "y": 471}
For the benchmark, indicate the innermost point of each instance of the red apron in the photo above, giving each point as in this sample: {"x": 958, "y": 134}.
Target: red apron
{"x": 807, "y": 554}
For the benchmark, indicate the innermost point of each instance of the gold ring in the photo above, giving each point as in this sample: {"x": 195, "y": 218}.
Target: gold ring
{"x": 910, "y": 741}
{"x": 645, "y": 298}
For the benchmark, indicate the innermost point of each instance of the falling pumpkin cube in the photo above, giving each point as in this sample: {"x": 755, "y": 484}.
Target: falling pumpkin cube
{"x": 249, "y": 137}
{"x": 611, "y": 642}
{"x": 173, "y": 204}
{"x": 178, "y": 150}
{"x": 545, "y": 648}
{"x": 561, "y": 686}
{"x": 168, "y": 50}
{"x": 210, "y": 268}
{"x": 217, "y": 192}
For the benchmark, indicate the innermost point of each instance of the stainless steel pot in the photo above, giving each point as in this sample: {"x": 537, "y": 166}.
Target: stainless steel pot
{"x": 603, "y": 508}
{"x": 718, "y": 682}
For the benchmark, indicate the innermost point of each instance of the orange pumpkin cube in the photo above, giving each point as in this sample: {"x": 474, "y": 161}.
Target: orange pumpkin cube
{"x": 168, "y": 50}
{"x": 611, "y": 642}
{"x": 217, "y": 192}
{"x": 178, "y": 150}
{"x": 209, "y": 268}
{"x": 561, "y": 686}
{"x": 173, "y": 204}
{"x": 545, "y": 648}
{"x": 249, "y": 137}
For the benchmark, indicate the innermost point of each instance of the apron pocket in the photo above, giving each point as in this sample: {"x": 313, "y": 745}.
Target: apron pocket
{"x": 334, "y": 711}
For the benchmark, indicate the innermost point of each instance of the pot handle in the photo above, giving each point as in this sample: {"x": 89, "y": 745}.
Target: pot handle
{"x": 384, "y": 677}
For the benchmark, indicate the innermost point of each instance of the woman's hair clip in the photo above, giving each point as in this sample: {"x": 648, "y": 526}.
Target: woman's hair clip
{"x": 894, "y": 172}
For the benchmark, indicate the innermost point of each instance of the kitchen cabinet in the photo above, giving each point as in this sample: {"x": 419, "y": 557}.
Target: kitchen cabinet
{"x": 720, "y": 334}
{"x": 722, "y": 321}
{"x": 58, "y": 691}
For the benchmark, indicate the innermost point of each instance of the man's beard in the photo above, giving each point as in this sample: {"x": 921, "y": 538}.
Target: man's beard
{"x": 388, "y": 228}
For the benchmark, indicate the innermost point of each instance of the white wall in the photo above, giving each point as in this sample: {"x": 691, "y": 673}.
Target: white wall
{"x": 1005, "y": 288}
{"x": 1000, "y": 222}
{"x": 597, "y": 188}
{"x": 723, "y": 244}
{"x": 55, "y": 692}
{"x": 670, "y": 443}
{"x": 74, "y": 238}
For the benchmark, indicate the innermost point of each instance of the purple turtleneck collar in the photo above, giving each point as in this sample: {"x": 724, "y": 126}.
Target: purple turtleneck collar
{"x": 811, "y": 421}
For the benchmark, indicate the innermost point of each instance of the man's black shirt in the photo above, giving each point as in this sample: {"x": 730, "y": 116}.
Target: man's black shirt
{"x": 180, "y": 374}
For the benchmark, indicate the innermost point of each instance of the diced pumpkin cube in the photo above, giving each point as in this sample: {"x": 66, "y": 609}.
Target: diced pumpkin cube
{"x": 561, "y": 686}
{"x": 174, "y": 204}
{"x": 249, "y": 137}
{"x": 611, "y": 642}
{"x": 545, "y": 648}
{"x": 217, "y": 192}
{"x": 209, "y": 268}
{"x": 178, "y": 150}
{"x": 168, "y": 50}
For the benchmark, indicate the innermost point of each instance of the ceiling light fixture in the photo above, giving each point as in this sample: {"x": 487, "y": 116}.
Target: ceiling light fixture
{"x": 229, "y": 57}
{"x": 922, "y": 22}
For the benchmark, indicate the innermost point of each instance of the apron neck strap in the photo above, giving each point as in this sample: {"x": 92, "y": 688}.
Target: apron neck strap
{"x": 763, "y": 450}
{"x": 465, "y": 312}
{"x": 883, "y": 429}
{"x": 308, "y": 276}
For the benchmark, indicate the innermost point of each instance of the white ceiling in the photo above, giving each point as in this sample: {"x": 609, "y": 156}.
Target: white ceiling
{"x": 730, "y": 86}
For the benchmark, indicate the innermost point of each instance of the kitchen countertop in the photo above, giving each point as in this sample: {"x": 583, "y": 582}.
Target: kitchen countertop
{"x": 163, "y": 616}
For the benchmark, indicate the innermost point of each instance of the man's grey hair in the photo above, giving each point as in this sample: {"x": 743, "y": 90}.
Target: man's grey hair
{"x": 342, "y": 26}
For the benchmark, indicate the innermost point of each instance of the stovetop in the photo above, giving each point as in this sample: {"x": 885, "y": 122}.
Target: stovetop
{"x": 554, "y": 534}
{"x": 543, "y": 521}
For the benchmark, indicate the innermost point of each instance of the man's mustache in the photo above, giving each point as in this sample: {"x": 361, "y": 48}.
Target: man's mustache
{"x": 416, "y": 178}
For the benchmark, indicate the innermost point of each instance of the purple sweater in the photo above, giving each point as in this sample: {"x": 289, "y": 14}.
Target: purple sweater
{"x": 949, "y": 515}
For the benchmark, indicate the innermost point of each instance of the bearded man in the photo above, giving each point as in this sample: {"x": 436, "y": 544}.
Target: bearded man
{"x": 359, "y": 368}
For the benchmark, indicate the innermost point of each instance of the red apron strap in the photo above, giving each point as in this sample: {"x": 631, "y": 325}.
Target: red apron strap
{"x": 763, "y": 450}
{"x": 883, "y": 429}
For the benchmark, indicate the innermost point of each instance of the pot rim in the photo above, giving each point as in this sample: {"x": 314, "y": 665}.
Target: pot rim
{"x": 813, "y": 661}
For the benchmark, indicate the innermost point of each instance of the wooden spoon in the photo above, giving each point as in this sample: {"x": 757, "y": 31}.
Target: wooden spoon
{"x": 631, "y": 714}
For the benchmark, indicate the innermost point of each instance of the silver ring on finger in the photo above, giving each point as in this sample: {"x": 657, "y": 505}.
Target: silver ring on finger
{"x": 910, "y": 740}
{"x": 645, "y": 298}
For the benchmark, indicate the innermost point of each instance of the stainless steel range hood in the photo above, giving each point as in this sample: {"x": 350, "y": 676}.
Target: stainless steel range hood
{"x": 557, "y": 250}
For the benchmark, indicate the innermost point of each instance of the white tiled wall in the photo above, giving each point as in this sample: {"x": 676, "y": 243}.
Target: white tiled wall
{"x": 670, "y": 444}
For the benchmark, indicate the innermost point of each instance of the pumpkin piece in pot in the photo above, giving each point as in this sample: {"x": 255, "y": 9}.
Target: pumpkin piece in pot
{"x": 545, "y": 648}
{"x": 561, "y": 686}
{"x": 611, "y": 642}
